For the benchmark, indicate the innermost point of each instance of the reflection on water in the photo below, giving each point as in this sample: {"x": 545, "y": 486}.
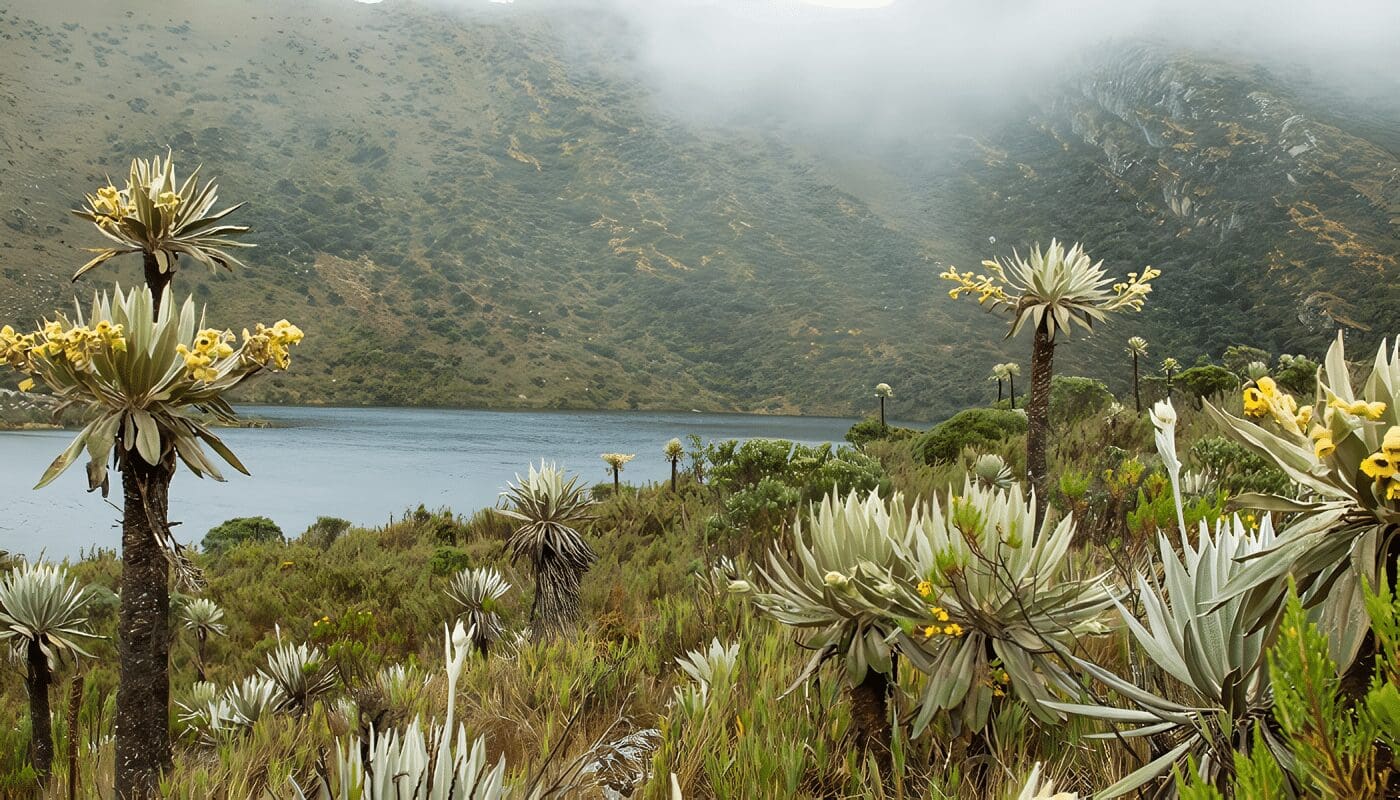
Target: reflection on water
{"x": 361, "y": 464}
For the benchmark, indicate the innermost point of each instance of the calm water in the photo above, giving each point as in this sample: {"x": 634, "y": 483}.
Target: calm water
{"x": 362, "y": 464}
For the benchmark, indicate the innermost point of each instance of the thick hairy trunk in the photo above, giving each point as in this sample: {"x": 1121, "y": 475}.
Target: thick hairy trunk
{"x": 1137, "y": 394}
{"x": 1038, "y": 415}
{"x": 870, "y": 717}
{"x": 37, "y": 680}
{"x": 617, "y": 481}
{"x": 1012, "y": 380}
{"x": 143, "y": 692}
{"x": 556, "y": 607}
{"x": 999, "y": 393}
{"x": 882, "y": 413}
{"x": 156, "y": 280}
{"x": 673, "y": 474}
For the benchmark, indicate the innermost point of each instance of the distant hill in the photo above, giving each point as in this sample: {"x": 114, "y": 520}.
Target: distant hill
{"x": 479, "y": 210}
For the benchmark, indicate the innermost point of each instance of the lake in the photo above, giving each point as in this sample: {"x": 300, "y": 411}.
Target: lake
{"x": 360, "y": 464}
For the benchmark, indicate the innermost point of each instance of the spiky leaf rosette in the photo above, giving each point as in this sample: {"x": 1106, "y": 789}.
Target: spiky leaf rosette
{"x": 710, "y": 667}
{"x": 157, "y": 214}
{"x": 432, "y": 762}
{"x": 204, "y": 617}
{"x": 883, "y": 390}
{"x": 1343, "y": 452}
{"x": 1137, "y": 346}
{"x": 136, "y": 375}
{"x": 477, "y": 592}
{"x": 1056, "y": 287}
{"x": 301, "y": 673}
{"x": 548, "y": 507}
{"x": 813, "y": 586}
{"x": 40, "y": 603}
{"x": 1216, "y": 662}
{"x": 988, "y": 584}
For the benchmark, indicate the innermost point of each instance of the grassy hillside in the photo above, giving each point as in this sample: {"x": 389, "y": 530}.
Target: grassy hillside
{"x": 488, "y": 209}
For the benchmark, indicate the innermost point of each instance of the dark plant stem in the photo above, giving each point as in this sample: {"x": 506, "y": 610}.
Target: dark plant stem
{"x": 143, "y": 693}
{"x": 1137, "y": 394}
{"x": 1038, "y": 416}
{"x": 882, "y": 413}
{"x": 1012, "y": 379}
{"x": 75, "y": 705}
{"x": 673, "y": 474}
{"x": 37, "y": 681}
{"x": 200, "y": 637}
{"x": 999, "y": 388}
{"x": 870, "y": 717}
{"x": 617, "y": 481}
{"x": 156, "y": 280}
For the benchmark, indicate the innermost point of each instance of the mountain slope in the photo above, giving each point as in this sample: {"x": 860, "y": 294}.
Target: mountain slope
{"x": 490, "y": 209}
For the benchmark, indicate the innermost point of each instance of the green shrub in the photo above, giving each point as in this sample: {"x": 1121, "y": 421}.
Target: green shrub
{"x": 974, "y": 427}
{"x": 324, "y": 531}
{"x": 1073, "y": 398}
{"x": 1236, "y": 469}
{"x": 870, "y": 430}
{"x": 1238, "y": 357}
{"x": 1207, "y": 381}
{"x": 239, "y": 530}
{"x": 1297, "y": 374}
{"x": 448, "y": 560}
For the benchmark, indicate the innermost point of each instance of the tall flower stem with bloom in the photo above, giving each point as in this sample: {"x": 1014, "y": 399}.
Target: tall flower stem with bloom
{"x": 615, "y": 462}
{"x": 1012, "y": 370}
{"x": 1137, "y": 348}
{"x": 674, "y": 451}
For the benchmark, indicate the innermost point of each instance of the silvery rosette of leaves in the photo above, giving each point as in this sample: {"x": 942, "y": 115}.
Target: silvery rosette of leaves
{"x": 1215, "y": 660}
{"x": 983, "y": 582}
{"x": 136, "y": 376}
{"x": 1343, "y": 452}
{"x": 816, "y": 585}
{"x": 156, "y": 214}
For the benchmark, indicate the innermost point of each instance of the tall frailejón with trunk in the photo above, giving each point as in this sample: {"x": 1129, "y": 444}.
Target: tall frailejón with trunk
{"x": 135, "y": 365}
{"x": 1051, "y": 291}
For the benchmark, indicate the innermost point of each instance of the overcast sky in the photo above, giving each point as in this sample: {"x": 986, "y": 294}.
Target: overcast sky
{"x": 871, "y": 63}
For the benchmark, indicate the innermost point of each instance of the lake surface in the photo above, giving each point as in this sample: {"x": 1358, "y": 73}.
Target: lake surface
{"x": 361, "y": 464}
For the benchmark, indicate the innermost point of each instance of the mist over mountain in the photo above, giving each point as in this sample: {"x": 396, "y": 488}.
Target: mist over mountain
{"x": 737, "y": 205}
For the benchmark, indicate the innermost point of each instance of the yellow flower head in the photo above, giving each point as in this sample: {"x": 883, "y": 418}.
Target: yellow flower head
{"x": 1267, "y": 386}
{"x": 1323, "y": 446}
{"x": 930, "y": 632}
{"x": 1255, "y": 404}
{"x": 925, "y": 588}
{"x": 26, "y": 385}
{"x": 954, "y": 629}
{"x": 1392, "y": 489}
{"x": 1379, "y": 465}
{"x": 1390, "y": 445}
{"x": 168, "y": 201}
{"x": 1373, "y": 411}
{"x": 1305, "y": 415}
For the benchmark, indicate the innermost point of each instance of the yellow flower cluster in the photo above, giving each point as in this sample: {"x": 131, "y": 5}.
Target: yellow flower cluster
{"x": 985, "y": 286}
{"x": 925, "y": 588}
{"x": 110, "y": 205}
{"x": 942, "y": 624}
{"x": 1132, "y": 292}
{"x": 16, "y": 349}
{"x": 1384, "y": 464}
{"x": 269, "y": 345}
{"x": 209, "y": 345}
{"x": 998, "y": 679}
{"x": 168, "y": 201}
{"x": 1264, "y": 399}
{"x": 1357, "y": 408}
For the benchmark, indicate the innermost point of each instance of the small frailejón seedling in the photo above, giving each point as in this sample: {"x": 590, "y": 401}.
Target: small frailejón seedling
{"x": 43, "y": 616}
{"x": 135, "y": 367}
{"x": 477, "y": 592}
{"x": 549, "y": 507}
{"x": 1053, "y": 291}
{"x": 204, "y": 617}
